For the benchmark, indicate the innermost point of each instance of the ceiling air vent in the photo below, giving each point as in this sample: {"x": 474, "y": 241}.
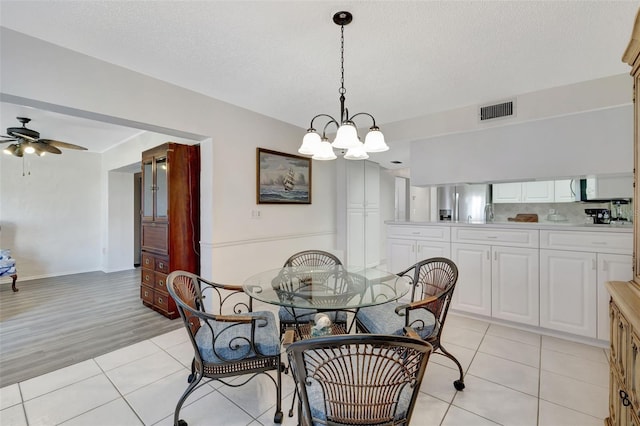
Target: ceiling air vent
{"x": 490, "y": 112}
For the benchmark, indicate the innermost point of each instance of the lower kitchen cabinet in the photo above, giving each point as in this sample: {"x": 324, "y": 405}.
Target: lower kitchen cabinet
{"x": 515, "y": 284}
{"x": 568, "y": 289}
{"x": 407, "y": 245}
{"x": 501, "y": 282}
{"x": 473, "y": 290}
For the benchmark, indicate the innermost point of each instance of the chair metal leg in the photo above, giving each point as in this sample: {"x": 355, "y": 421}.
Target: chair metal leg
{"x": 13, "y": 284}
{"x": 193, "y": 383}
{"x": 458, "y": 384}
{"x": 277, "y": 418}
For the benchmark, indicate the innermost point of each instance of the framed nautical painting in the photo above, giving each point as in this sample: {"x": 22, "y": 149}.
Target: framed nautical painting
{"x": 283, "y": 178}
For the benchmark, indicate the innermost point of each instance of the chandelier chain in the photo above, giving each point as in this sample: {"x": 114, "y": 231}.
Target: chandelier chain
{"x": 342, "y": 89}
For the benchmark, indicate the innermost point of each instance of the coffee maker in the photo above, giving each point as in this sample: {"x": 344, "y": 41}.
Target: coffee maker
{"x": 600, "y": 216}
{"x": 620, "y": 211}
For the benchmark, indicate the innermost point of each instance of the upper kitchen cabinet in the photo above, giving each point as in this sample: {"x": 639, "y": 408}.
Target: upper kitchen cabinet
{"x": 564, "y": 190}
{"x": 524, "y": 192}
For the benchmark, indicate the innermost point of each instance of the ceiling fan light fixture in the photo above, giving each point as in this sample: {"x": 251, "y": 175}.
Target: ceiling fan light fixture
{"x": 27, "y": 141}
{"x": 11, "y": 149}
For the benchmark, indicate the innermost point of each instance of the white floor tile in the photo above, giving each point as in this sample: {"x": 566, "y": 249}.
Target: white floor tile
{"x": 158, "y": 400}
{"x": 511, "y": 374}
{"x": 585, "y": 370}
{"x": 462, "y": 354}
{"x": 459, "y": 417}
{"x": 116, "y": 412}
{"x": 126, "y": 355}
{"x": 593, "y": 353}
{"x": 575, "y": 394}
{"x": 438, "y": 382}
{"x": 40, "y": 385}
{"x": 142, "y": 372}
{"x": 212, "y": 409}
{"x": 258, "y": 396}
{"x": 465, "y": 322}
{"x": 511, "y": 350}
{"x": 514, "y": 334}
{"x": 497, "y": 403}
{"x": 461, "y": 336}
{"x": 10, "y": 395}
{"x": 70, "y": 401}
{"x": 428, "y": 410}
{"x": 554, "y": 415}
{"x": 183, "y": 352}
{"x": 172, "y": 338}
{"x": 13, "y": 416}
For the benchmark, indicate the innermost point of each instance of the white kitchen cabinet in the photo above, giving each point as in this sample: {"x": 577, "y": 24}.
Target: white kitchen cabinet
{"x": 407, "y": 245}
{"x": 473, "y": 290}
{"x": 574, "y": 267}
{"x": 498, "y": 272}
{"x": 507, "y": 192}
{"x": 565, "y": 191}
{"x": 358, "y": 213}
{"x": 515, "y": 284}
{"x": 538, "y": 192}
{"x": 568, "y": 289}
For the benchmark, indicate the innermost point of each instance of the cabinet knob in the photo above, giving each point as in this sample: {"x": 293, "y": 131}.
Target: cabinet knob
{"x": 161, "y": 265}
{"x": 160, "y": 300}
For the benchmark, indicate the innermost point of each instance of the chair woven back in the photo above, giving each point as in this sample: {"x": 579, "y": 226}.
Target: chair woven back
{"x": 358, "y": 379}
{"x": 435, "y": 276}
{"x": 185, "y": 290}
{"x": 312, "y": 258}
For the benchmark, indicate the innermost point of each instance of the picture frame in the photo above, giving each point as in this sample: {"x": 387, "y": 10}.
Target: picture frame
{"x": 282, "y": 178}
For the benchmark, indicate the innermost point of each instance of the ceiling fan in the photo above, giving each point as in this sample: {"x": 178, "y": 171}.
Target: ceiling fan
{"x": 27, "y": 141}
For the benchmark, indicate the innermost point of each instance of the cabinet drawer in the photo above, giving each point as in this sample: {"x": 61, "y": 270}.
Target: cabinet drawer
{"x": 161, "y": 300}
{"x": 432, "y": 233}
{"x": 498, "y": 237}
{"x": 160, "y": 282}
{"x": 601, "y": 242}
{"x": 147, "y": 294}
{"x": 147, "y": 277}
{"x": 155, "y": 237}
{"x": 148, "y": 261}
{"x": 162, "y": 265}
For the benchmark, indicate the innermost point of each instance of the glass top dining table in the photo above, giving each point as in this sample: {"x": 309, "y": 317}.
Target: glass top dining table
{"x": 333, "y": 287}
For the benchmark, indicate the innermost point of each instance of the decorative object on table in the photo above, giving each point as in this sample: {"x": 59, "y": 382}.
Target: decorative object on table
{"x": 226, "y": 345}
{"x": 8, "y": 267}
{"x": 321, "y": 325}
{"x": 27, "y": 141}
{"x": 524, "y": 217}
{"x": 346, "y": 132}
{"x": 282, "y": 178}
{"x": 336, "y": 377}
{"x": 288, "y": 318}
{"x": 433, "y": 283}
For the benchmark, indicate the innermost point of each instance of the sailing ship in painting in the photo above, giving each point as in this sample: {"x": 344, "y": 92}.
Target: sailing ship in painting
{"x": 289, "y": 182}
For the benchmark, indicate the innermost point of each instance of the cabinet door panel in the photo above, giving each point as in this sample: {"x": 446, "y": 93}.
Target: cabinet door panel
{"x": 507, "y": 192}
{"x": 372, "y": 237}
{"x": 611, "y": 267}
{"x": 400, "y": 254}
{"x": 568, "y": 292}
{"x": 429, "y": 249}
{"x": 515, "y": 284}
{"x": 355, "y": 238}
{"x": 538, "y": 192}
{"x": 473, "y": 290}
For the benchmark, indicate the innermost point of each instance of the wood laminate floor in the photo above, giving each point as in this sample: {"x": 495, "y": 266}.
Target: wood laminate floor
{"x": 56, "y": 322}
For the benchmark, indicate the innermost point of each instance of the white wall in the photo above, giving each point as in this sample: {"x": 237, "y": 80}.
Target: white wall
{"x": 233, "y": 245}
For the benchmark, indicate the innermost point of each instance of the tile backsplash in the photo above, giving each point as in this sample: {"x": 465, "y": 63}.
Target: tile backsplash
{"x": 574, "y": 212}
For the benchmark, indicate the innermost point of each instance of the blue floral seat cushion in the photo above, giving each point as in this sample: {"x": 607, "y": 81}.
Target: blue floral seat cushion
{"x": 382, "y": 319}
{"x": 233, "y": 339}
{"x": 306, "y": 315}
{"x": 7, "y": 264}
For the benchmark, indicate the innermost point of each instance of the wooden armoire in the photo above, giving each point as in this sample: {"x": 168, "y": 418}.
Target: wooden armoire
{"x": 170, "y": 234}
{"x": 624, "y": 308}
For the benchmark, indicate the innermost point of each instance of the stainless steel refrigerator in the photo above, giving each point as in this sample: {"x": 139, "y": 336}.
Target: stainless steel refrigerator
{"x": 465, "y": 203}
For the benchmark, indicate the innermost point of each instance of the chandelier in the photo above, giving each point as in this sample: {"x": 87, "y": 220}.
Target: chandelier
{"x": 347, "y": 134}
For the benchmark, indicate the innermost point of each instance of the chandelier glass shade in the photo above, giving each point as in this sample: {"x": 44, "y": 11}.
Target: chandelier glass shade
{"x": 318, "y": 146}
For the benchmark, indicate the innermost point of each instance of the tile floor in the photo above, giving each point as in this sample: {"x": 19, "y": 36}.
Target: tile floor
{"x": 512, "y": 378}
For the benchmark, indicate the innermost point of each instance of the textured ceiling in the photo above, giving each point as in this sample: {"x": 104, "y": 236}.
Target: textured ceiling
{"x": 403, "y": 58}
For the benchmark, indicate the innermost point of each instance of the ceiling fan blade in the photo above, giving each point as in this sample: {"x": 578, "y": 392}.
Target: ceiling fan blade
{"x": 61, "y": 144}
{"x": 27, "y": 138}
{"x": 13, "y": 138}
{"x": 46, "y": 147}
{"x": 8, "y": 140}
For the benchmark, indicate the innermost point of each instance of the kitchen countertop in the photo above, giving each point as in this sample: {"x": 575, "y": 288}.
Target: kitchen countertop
{"x": 564, "y": 226}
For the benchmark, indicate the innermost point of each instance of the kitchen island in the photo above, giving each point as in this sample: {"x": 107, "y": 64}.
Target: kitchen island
{"x": 547, "y": 277}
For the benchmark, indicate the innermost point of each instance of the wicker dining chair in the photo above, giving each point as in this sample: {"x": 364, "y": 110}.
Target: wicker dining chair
{"x": 361, "y": 379}
{"x": 288, "y": 317}
{"x": 228, "y": 338}
{"x": 433, "y": 282}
